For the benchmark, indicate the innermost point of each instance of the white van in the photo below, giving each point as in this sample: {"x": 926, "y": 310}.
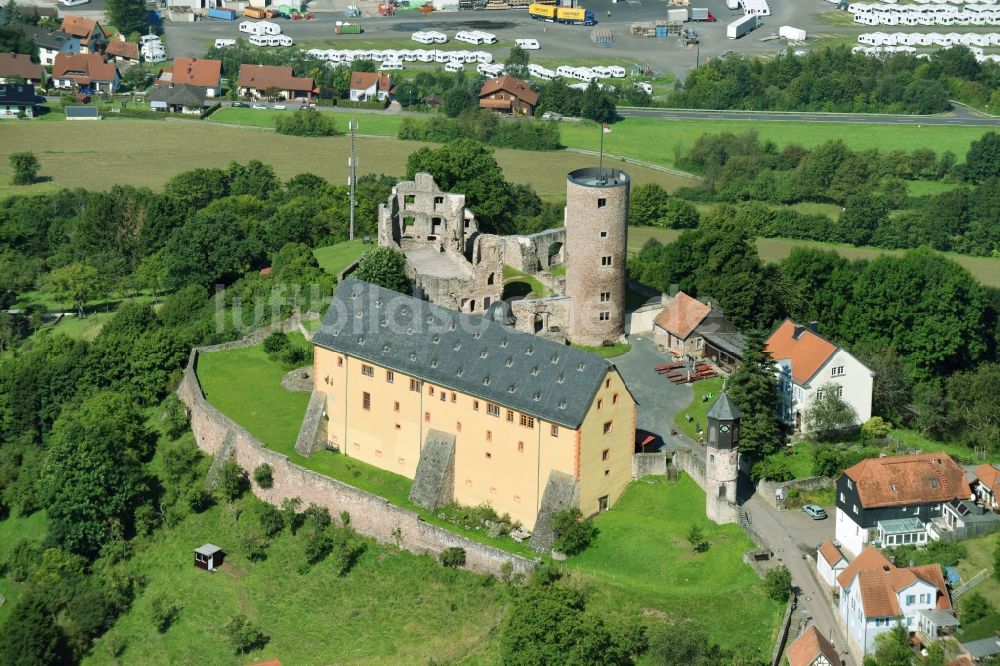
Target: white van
{"x": 442, "y": 57}
{"x": 454, "y": 66}
{"x": 423, "y": 55}
{"x": 422, "y": 38}
{"x": 566, "y": 71}
{"x": 528, "y": 44}
{"x": 258, "y": 40}
{"x": 644, "y": 87}
{"x": 617, "y": 72}
{"x": 390, "y": 65}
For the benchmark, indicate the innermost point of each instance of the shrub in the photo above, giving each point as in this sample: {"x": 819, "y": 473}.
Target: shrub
{"x": 573, "y": 533}
{"x": 696, "y": 537}
{"x": 174, "y": 417}
{"x": 232, "y": 481}
{"x": 875, "y": 428}
{"x": 270, "y": 519}
{"x": 772, "y": 468}
{"x": 345, "y": 518}
{"x": 254, "y": 547}
{"x": 25, "y": 167}
{"x": 347, "y": 548}
{"x": 290, "y": 513}
{"x": 163, "y": 611}
{"x": 243, "y": 634}
{"x": 199, "y": 499}
{"x": 453, "y": 557}
{"x": 264, "y": 476}
{"x": 293, "y": 357}
{"x": 317, "y": 517}
{"x": 778, "y": 583}
{"x": 319, "y": 544}
{"x": 306, "y": 122}
{"x": 275, "y": 343}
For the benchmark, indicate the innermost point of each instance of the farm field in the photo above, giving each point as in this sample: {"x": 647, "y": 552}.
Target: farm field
{"x": 658, "y": 141}
{"x": 985, "y": 269}
{"x": 146, "y": 153}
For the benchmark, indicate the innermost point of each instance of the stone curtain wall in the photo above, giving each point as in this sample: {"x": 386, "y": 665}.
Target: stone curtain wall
{"x": 766, "y": 490}
{"x": 687, "y": 462}
{"x": 649, "y": 464}
{"x": 371, "y": 515}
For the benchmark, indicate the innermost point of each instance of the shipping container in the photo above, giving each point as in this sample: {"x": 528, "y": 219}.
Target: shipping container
{"x": 741, "y": 26}
{"x": 701, "y": 14}
{"x": 254, "y": 12}
{"x": 677, "y": 15}
{"x": 222, "y": 14}
{"x": 794, "y": 34}
{"x": 575, "y": 15}
{"x": 542, "y": 12}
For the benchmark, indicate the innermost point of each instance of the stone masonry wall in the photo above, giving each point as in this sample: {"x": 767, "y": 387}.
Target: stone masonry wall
{"x": 649, "y": 464}
{"x": 687, "y": 462}
{"x": 371, "y": 515}
{"x": 766, "y": 490}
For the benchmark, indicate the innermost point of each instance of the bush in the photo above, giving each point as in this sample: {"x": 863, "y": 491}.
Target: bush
{"x": 163, "y": 611}
{"x": 270, "y": 519}
{"x": 293, "y": 357}
{"x": 778, "y": 583}
{"x": 306, "y": 122}
{"x": 244, "y": 635}
{"x": 275, "y": 342}
{"x": 773, "y": 468}
{"x": 875, "y": 428}
{"x": 174, "y": 417}
{"x": 453, "y": 557}
{"x": 975, "y": 607}
{"x": 25, "y": 166}
{"x": 264, "y": 476}
{"x": 573, "y": 533}
{"x": 319, "y": 544}
{"x": 199, "y": 499}
{"x": 254, "y": 547}
{"x": 696, "y": 537}
{"x": 232, "y": 481}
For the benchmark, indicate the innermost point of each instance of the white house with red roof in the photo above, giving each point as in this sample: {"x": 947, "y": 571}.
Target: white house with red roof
{"x": 812, "y": 648}
{"x": 876, "y": 596}
{"x": 809, "y": 364}
{"x": 830, "y": 562}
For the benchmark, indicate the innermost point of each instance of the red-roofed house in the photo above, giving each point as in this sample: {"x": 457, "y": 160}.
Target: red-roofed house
{"x": 205, "y": 74}
{"x": 809, "y": 364}
{"x": 122, "y": 51}
{"x": 987, "y": 485}
{"x": 368, "y": 86}
{"x": 261, "y": 81}
{"x": 17, "y": 65}
{"x": 812, "y": 648}
{"x": 506, "y": 94}
{"x": 88, "y": 31}
{"x": 687, "y": 327}
{"x": 903, "y": 500}
{"x": 876, "y": 596}
{"x": 830, "y": 563}
{"x": 85, "y": 71}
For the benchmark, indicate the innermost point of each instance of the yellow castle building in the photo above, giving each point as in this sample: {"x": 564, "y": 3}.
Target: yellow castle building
{"x": 472, "y": 410}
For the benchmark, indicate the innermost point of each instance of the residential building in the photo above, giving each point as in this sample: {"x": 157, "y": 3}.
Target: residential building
{"x": 206, "y": 74}
{"x": 505, "y": 94}
{"x": 262, "y": 81}
{"x": 85, "y": 71}
{"x": 987, "y": 485}
{"x": 369, "y": 86}
{"x": 812, "y": 648}
{"x": 517, "y": 414}
{"x": 691, "y": 329}
{"x": 177, "y": 98}
{"x": 20, "y": 66}
{"x": 17, "y": 99}
{"x": 122, "y": 52}
{"x": 88, "y": 31}
{"x": 897, "y": 500}
{"x": 50, "y": 43}
{"x": 830, "y": 562}
{"x": 877, "y": 596}
{"x": 808, "y": 363}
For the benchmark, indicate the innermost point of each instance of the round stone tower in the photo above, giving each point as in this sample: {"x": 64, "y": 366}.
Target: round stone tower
{"x": 596, "y": 238}
{"x": 722, "y": 464}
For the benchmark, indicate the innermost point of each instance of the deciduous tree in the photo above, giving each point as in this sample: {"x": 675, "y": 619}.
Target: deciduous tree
{"x": 76, "y": 283}
{"x": 385, "y": 267}
{"x": 25, "y": 166}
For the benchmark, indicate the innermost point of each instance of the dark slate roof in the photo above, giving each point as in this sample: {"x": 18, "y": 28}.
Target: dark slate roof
{"x": 81, "y": 112}
{"x": 986, "y": 647}
{"x": 731, "y": 343}
{"x": 47, "y": 39}
{"x": 177, "y": 94}
{"x": 467, "y": 353}
{"x": 19, "y": 93}
{"x": 723, "y": 409}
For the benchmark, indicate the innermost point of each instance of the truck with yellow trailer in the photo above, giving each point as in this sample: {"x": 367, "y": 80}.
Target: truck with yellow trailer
{"x": 568, "y": 15}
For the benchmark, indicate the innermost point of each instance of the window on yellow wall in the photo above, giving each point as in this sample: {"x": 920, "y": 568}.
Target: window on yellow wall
{"x": 510, "y": 416}
{"x": 430, "y": 390}
{"x": 414, "y": 385}
{"x": 367, "y": 370}
{"x": 390, "y": 376}
{"x": 608, "y": 426}
{"x": 607, "y": 383}
{"x": 520, "y": 447}
{"x": 600, "y": 403}
{"x": 454, "y": 397}
{"x": 527, "y": 421}
{"x": 489, "y": 456}
{"x": 489, "y": 435}
{"x": 340, "y": 361}
{"x": 605, "y": 454}
{"x": 458, "y": 426}
{"x": 395, "y": 406}
{"x": 366, "y": 400}
{"x": 492, "y": 410}
{"x": 427, "y": 416}
{"x": 444, "y": 396}
{"x": 398, "y": 427}
{"x": 555, "y": 431}
{"x": 614, "y": 399}
{"x": 475, "y": 405}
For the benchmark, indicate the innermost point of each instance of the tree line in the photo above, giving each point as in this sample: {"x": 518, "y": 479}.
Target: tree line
{"x": 485, "y": 127}
{"x": 920, "y": 321}
{"x": 834, "y": 79}
{"x": 870, "y": 185}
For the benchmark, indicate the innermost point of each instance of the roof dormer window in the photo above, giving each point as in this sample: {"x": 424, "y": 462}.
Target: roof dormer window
{"x": 508, "y": 362}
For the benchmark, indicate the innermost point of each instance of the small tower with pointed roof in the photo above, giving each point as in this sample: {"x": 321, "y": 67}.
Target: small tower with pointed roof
{"x": 722, "y": 461}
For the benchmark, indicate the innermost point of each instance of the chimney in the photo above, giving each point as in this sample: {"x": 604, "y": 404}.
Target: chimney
{"x": 799, "y": 330}
{"x": 813, "y": 326}
{"x": 885, "y": 567}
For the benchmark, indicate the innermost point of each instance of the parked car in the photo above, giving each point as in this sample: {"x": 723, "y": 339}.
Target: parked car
{"x": 239, "y": 105}
{"x": 279, "y": 107}
{"x": 259, "y": 106}
{"x": 815, "y": 510}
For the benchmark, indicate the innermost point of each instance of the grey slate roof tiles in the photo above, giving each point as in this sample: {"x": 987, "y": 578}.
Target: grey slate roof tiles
{"x": 467, "y": 353}
{"x": 723, "y": 409}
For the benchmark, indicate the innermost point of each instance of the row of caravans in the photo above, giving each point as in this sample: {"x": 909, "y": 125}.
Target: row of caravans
{"x": 475, "y": 37}
{"x": 260, "y": 27}
{"x": 888, "y": 14}
{"x": 429, "y": 37}
{"x": 270, "y": 40}
{"x": 750, "y": 7}
{"x": 878, "y": 50}
{"x": 403, "y": 55}
{"x": 929, "y": 39}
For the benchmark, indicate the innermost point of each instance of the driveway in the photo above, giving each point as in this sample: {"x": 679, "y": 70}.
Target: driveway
{"x": 791, "y": 535}
{"x": 659, "y": 398}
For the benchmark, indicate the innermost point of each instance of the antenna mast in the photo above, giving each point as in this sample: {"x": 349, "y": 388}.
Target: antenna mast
{"x": 352, "y": 164}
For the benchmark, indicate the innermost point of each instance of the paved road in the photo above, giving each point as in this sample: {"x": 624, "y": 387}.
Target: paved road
{"x": 791, "y": 534}
{"x": 958, "y": 117}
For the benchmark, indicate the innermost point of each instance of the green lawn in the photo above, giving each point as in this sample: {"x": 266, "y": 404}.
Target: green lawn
{"x": 392, "y": 607}
{"x": 980, "y": 556}
{"x": 800, "y": 459}
{"x": 558, "y": 271}
{"x": 225, "y": 377}
{"x": 335, "y": 258}
{"x": 248, "y": 117}
{"x": 13, "y": 530}
{"x": 984, "y": 269}
{"x": 517, "y": 283}
{"x": 371, "y": 124}
{"x": 657, "y": 141}
{"x": 642, "y": 562}
{"x": 920, "y": 188}
{"x": 698, "y": 409}
{"x": 609, "y": 351}
{"x": 961, "y": 453}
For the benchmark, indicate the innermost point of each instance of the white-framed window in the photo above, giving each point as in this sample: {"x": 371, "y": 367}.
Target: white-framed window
{"x": 840, "y": 391}
{"x": 605, "y": 297}
{"x": 605, "y": 316}
{"x": 492, "y": 410}
{"x": 367, "y": 370}
{"x": 837, "y": 371}
{"x": 606, "y": 261}
{"x": 854, "y": 507}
